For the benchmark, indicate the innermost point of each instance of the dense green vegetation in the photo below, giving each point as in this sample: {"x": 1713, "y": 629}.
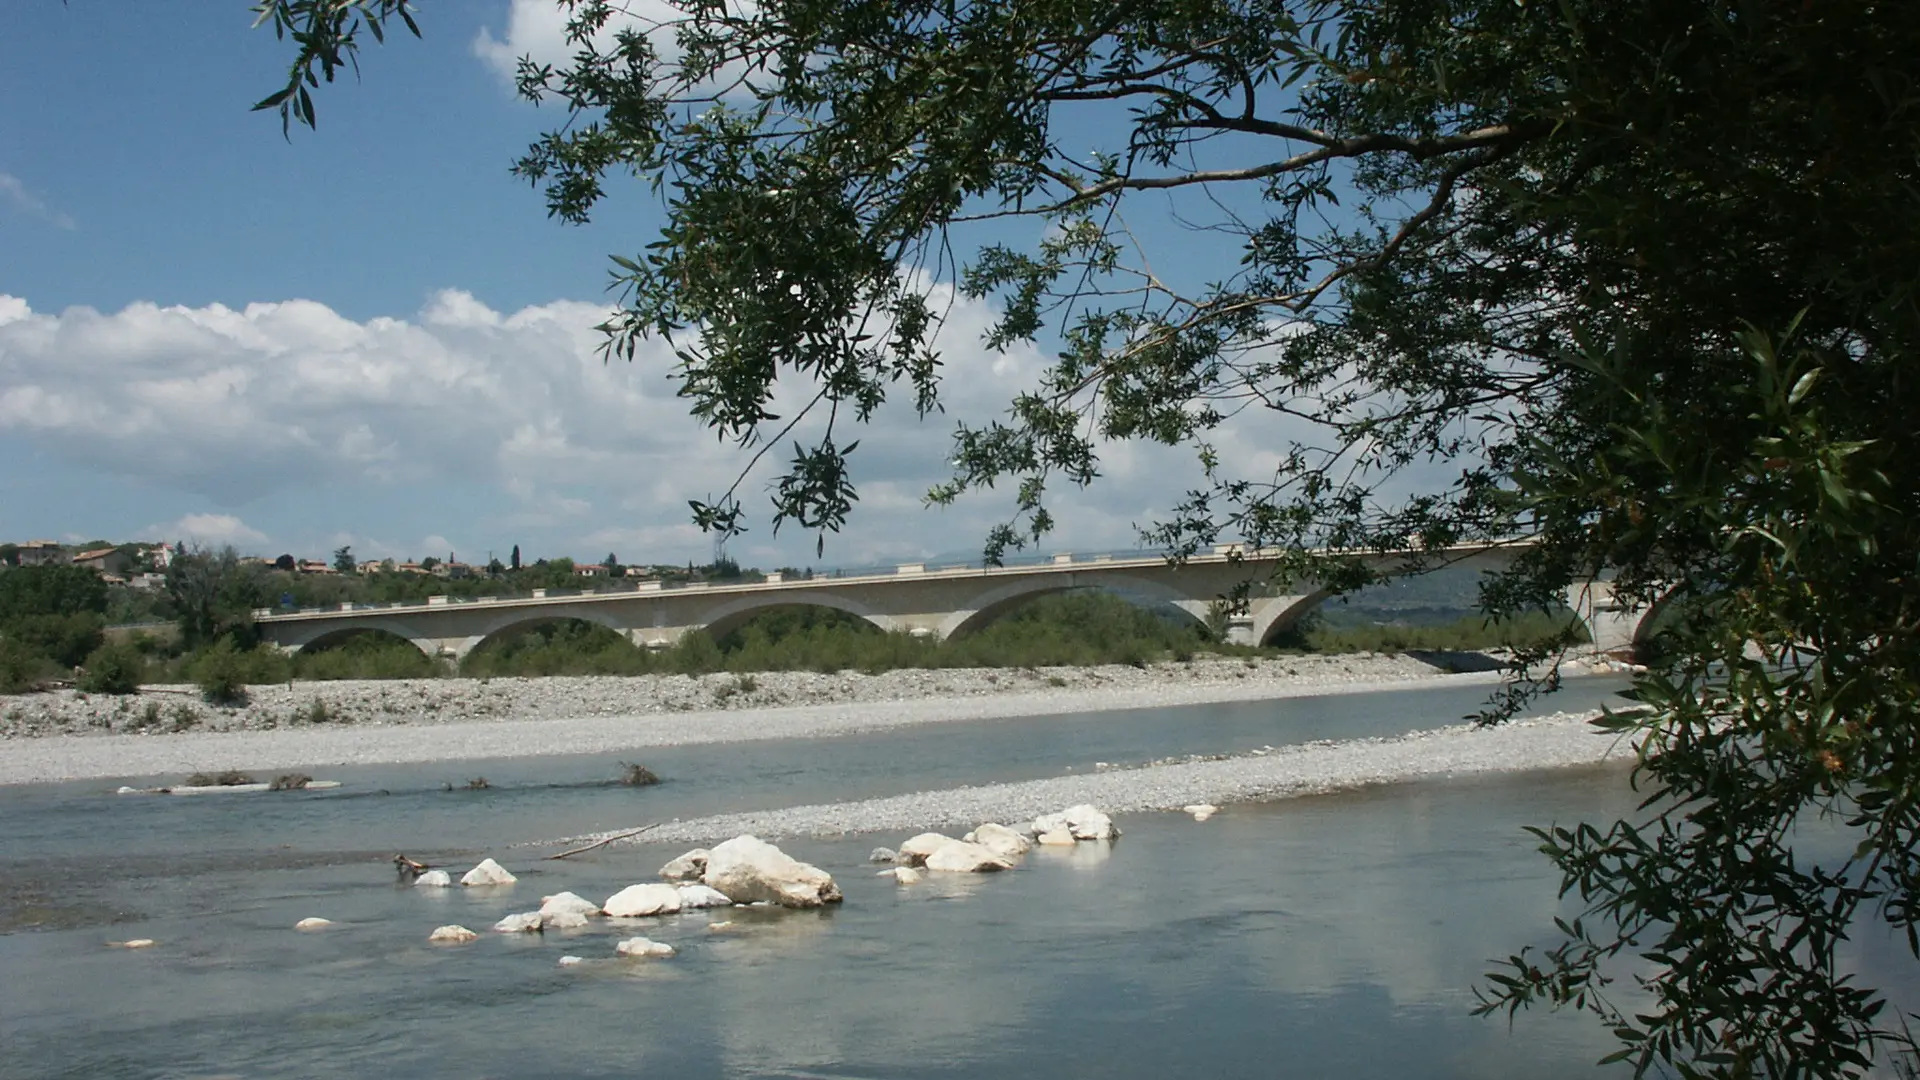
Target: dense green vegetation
{"x": 1078, "y": 628}
{"x": 1441, "y": 630}
{"x": 51, "y": 618}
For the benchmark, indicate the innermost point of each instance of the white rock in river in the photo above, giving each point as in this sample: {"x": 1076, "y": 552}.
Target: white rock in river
{"x": 134, "y": 943}
{"x": 1201, "y": 811}
{"x": 906, "y": 875}
{"x": 1001, "y": 840}
{"x": 566, "y": 901}
{"x": 689, "y": 867}
{"x": 883, "y": 855}
{"x": 640, "y": 946}
{"x": 1083, "y": 821}
{"x": 488, "y": 873}
{"x": 563, "y": 919}
{"x": 702, "y": 896}
{"x": 915, "y": 851}
{"x": 433, "y": 879}
{"x": 960, "y": 857}
{"x": 571, "y": 961}
{"x": 749, "y": 870}
{"x": 526, "y": 922}
{"x": 636, "y": 901}
{"x": 313, "y": 924}
{"x": 1056, "y": 838}
{"x": 452, "y": 934}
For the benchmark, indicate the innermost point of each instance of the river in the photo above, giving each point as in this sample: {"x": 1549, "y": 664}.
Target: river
{"x": 1336, "y": 935}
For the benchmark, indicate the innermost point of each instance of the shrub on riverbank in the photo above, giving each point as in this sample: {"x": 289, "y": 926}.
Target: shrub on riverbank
{"x": 367, "y": 656}
{"x": 223, "y": 671}
{"x": 1466, "y": 633}
{"x": 113, "y": 668}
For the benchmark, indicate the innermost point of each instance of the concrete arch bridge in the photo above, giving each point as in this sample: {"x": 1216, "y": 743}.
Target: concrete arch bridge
{"x": 939, "y": 602}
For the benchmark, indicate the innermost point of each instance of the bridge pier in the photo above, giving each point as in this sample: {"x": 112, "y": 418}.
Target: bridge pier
{"x": 1613, "y": 625}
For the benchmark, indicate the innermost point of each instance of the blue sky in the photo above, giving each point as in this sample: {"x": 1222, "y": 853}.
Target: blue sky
{"x": 371, "y": 333}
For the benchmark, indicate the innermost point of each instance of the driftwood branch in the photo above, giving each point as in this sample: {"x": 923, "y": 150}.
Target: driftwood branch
{"x": 603, "y": 842}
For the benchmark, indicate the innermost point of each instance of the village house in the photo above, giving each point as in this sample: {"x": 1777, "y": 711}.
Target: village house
{"x": 159, "y": 556}
{"x": 41, "y": 553}
{"x": 315, "y": 566}
{"x": 591, "y": 570}
{"x": 107, "y": 560}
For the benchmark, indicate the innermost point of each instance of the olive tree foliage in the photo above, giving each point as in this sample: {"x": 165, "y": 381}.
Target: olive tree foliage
{"x": 1639, "y": 273}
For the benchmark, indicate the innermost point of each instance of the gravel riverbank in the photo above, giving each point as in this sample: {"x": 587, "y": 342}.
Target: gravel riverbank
{"x": 1555, "y": 741}
{"x": 66, "y": 735}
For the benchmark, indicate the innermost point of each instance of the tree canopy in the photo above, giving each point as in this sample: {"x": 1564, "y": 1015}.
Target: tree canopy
{"x": 1639, "y": 273}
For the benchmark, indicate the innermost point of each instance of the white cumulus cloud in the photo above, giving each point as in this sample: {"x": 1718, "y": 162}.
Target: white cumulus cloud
{"x": 294, "y": 401}
{"x": 209, "y": 530}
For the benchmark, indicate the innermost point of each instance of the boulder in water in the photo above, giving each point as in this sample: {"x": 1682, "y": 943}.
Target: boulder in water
{"x": 566, "y": 901}
{"x": 915, "y": 851}
{"x": 638, "y": 901}
{"x": 1056, "y": 838}
{"x": 564, "y": 919}
{"x": 1002, "y": 841}
{"x": 961, "y": 857}
{"x": 1084, "y": 822}
{"x": 452, "y": 935}
{"x": 526, "y": 922}
{"x": 640, "y": 946}
{"x": 689, "y": 867}
{"x": 702, "y": 896}
{"x": 488, "y": 873}
{"x": 1201, "y": 811}
{"x": 433, "y": 879}
{"x": 313, "y": 924}
{"x": 571, "y": 961}
{"x": 750, "y": 870}
{"x": 883, "y": 855}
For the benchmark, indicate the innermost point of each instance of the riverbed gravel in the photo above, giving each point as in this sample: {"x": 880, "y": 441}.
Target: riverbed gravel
{"x": 176, "y": 710}
{"x": 1556, "y": 741}
{"x": 71, "y": 736}
{"x": 67, "y": 736}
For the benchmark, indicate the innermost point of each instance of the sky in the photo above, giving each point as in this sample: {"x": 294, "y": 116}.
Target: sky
{"x": 371, "y": 334}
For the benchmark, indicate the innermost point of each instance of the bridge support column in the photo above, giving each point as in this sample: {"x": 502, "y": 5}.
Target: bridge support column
{"x": 449, "y": 648}
{"x": 1270, "y": 615}
{"x": 1613, "y": 625}
{"x": 656, "y": 637}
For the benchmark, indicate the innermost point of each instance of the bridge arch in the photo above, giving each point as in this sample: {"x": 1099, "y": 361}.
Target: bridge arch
{"x": 339, "y": 636}
{"x": 995, "y": 602}
{"x": 725, "y": 618}
{"x": 330, "y": 634}
{"x": 514, "y": 622}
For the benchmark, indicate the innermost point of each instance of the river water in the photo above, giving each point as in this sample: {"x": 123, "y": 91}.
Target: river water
{"x": 1330, "y": 936}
